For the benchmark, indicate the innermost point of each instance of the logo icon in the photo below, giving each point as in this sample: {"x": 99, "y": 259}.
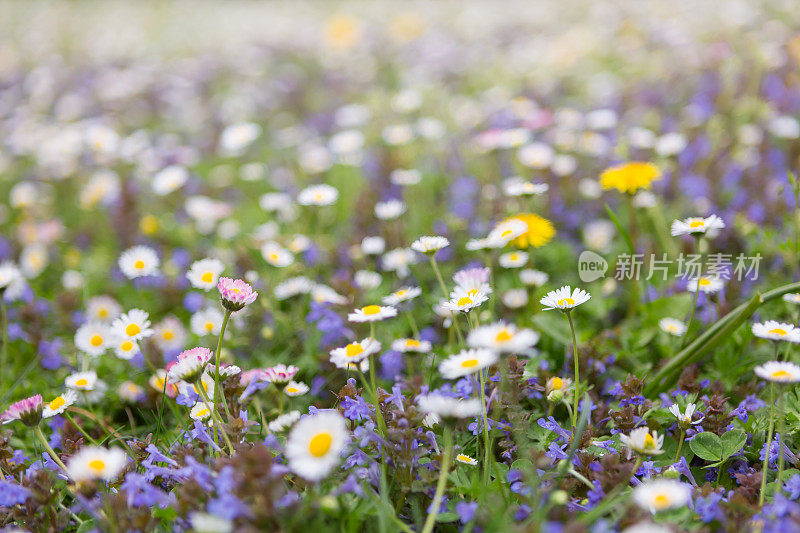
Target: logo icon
{"x": 591, "y": 266}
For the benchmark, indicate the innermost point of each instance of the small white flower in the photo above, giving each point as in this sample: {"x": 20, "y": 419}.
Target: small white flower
{"x": 138, "y": 261}
{"x": 464, "y": 301}
{"x": 323, "y": 294}
{"x": 124, "y": 348}
{"x": 284, "y": 421}
{"x": 411, "y": 345}
{"x": 467, "y": 362}
{"x": 661, "y": 494}
{"x": 642, "y": 441}
{"x": 447, "y": 407}
{"x": 533, "y": 278}
{"x": 92, "y": 338}
{"x": 516, "y": 259}
{"x": 673, "y": 326}
{"x": 134, "y": 325}
{"x": 430, "y": 244}
{"x": 390, "y": 209}
{"x": 706, "y": 284}
{"x": 355, "y": 352}
{"x": 170, "y": 334}
{"x": 318, "y": 195}
{"x": 367, "y": 279}
{"x": 779, "y": 372}
{"x": 209, "y": 523}
{"x": 169, "y": 179}
{"x": 505, "y": 232}
{"x": 709, "y": 226}
{"x": 776, "y": 331}
{"x": 466, "y": 459}
{"x": 315, "y": 443}
{"x": 293, "y": 287}
{"x": 515, "y": 298}
{"x": 92, "y": 462}
{"x": 200, "y": 411}
{"x": 295, "y": 388}
{"x": 276, "y": 255}
{"x": 372, "y": 313}
{"x": 564, "y": 298}
{"x": 59, "y": 404}
{"x": 206, "y": 322}
{"x": 502, "y": 337}
{"x": 685, "y": 418}
{"x": 204, "y": 274}
{"x": 792, "y": 298}
{"x": 405, "y": 177}
{"x": 402, "y": 295}
{"x": 103, "y": 309}
{"x": 373, "y": 245}
{"x": 82, "y": 381}
{"x": 525, "y": 188}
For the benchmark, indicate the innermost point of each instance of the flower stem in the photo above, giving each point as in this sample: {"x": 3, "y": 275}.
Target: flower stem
{"x": 4, "y": 320}
{"x": 680, "y": 445}
{"x": 482, "y": 394}
{"x": 781, "y": 432}
{"x": 447, "y": 297}
{"x": 38, "y": 431}
{"x": 577, "y": 372}
{"x": 216, "y": 417}
{"x": 765, "y": 467}
{"x": 82, "y": 431}
{"x": 430, "y": 521}
{"x": 378, "y": 412}
{"x": 216, "y": 358}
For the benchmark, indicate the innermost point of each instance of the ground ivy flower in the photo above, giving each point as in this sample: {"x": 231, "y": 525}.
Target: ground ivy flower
{"x": 139, "y": 261}
{"x": 643, "y": 442}
{"x": 235, "y": 294}
{"x": 709, "y": 226}
{"x": 92, "y": 462}
{"x": 502, "y": 337}
{"x": 372, "y": 313}
{"x": 467, "y": 362}
{"x": 629, "y": 177}
{"x": 315, "y": 443}
{"x": 661, "y": 494}
{"x": 28, "y": 411}
{"x": 135, "y": 325}
{"x": 204, "y": 274}
{"x": 673, "y": 326}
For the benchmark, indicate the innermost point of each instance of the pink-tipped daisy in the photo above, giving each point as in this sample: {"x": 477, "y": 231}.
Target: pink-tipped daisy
{"x": 28, "y": 411}
{"x": 190, "y": 365}
{"x": 235, "y": 294}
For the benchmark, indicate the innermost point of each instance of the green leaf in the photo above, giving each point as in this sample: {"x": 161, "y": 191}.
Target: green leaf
{"x": 707, "y": 446}
{"x": 732, "y": 442}
{"x": 447, "y": 517}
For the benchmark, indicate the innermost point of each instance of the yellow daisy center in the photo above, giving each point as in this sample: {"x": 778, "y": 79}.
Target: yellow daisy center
{"x": 320, "y": 444}
{"x": 353, "y": 349}
{"x": 126, "y": 346}
{"x": 557, "y": 383}
{"x": 102, "y": 312}
{"x": 780, "y": 374}
{"x": 97, "y": 465}
{"x": 138, "y": 264}
{"x": 96, "y": 340}
{"x": 503, "y": 336}
{"x": 513, "y": 257}
{"x": 82, "y": 382}
{"x": 566, "y": 302}
{"x": 207, "y": 277}
{"x": 660, "y": 501}
{"x": 58, "y": 402}
{"x": 132, "y": 329}
{"x": 777, "y": 331}
{"x": 401, "y": 293}
{"x": 209, "y": 326}
{"x": 292, "y": 390}
{"x": 202, "y": 413}
{"x": 649, "y": 442}
{"x": 704, "y": 282}
{"x": 412, "y": 343}
{"x": 371, "y": 310}
{"x": 696, "y": 224}
{"x": 168, "y": 335}
{"x": 469, "y": 363}
{"x": 466, "y": 300}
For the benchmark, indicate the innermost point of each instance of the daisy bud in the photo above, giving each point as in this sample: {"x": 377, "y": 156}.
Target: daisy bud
{"x": 28, "y": 411}
{"x": 235, "y": 294}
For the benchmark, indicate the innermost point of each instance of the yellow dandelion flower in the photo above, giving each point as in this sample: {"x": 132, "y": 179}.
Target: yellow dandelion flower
{"x": 630, "y": 177}
{"x": 540, "y": 231}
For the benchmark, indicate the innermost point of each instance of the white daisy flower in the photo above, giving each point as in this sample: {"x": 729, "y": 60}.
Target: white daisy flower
{"x": 372, "y": 313}
{"x": 411, "y": 345}
{"x": 59, "y": 404}
{"x": 661, "y": 494}
{"x": 206, "y": 322}
{"x": 430, "y": 244}
{"x": 82, "y": 381}
{"x": 321, "y": 293}
{"x": 200, "y": 411}
{"x": 506, "y": 231}
{"x": 276, "y": 255}
{"x": 293, "y": 287}
{"x": 519, "y": 187}
{"x": 235, "y": 138}
{"x": 355, "y": 352}
{"x": 9, "y": 275}
{"x": 779, "y": 372}
{"x": 706, "y": 284}
{"x": 318, "y": 195}
{"x": 792, "y": 298}
{"x": 130, "y": 392}
{"x": 92, "y": 338}
{"x": 397, "y": 260}
{"x": 170, "y": 334}
{"x": 516, "y": 259}
{"x": 134, "y": 324}
{"x": 139, "y": 261}
{"x": 190, "y": 365}
{"x": 295, "y": 388}
{"x": 447, "y": 407}
{"x": 91, "y": 462}
{"x": 467, "y": 362}
{"x": 564, "y": 298}
{"x": 673, "y": 326}
{"x": 169, "y": 179}
{"x": 776, "y": 331}
{"x": 709, "y": 226}
{"x": 204, "y": 274}
{"x": 209, "y": 523}
{"x": 283, "y": 421}
{"x": 124, "y": 348}
{"x": 685, "y": 418}
{"x": 642, "y": 441}
{"x": 515, "y": 298}
{"x": 470, "y": 279}
{"x": 367, "y": 279}
{"x": 502, "y": 337}
{"x": 390, "y": 209}
{"x": 466, "y": 459}
{"x": 373, "y": 245}
{"x": 402, "y": 295}
{"x": 299, "y": 244}
{"x": 533, "y": 278}
{"x": 102, "y": 309}
{"x": 315, "y": 444}
{"x": 464, "y": 301}
{"x": 405, "y": 177}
